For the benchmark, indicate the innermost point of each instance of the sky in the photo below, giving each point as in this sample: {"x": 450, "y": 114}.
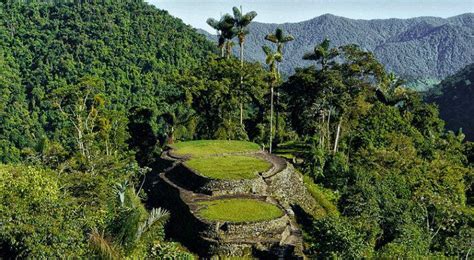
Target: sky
{"x": 195, "y": 12}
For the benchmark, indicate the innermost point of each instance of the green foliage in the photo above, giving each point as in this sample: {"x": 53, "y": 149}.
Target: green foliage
{"x": 14, "y": 117}
{"x": 454, "y": 97}
{"x": 324, "y": 197}
{"x": 403, "y": 180}
{"x": 72, "y": 74}
{"x": 38, "y": 218}
{"x": 168, "y": 251}
{"x": 238, "y": 210}
{"x": 229, "y": 167}
{"x": 335, "y": 238}
{"x": 86, "y": 86}
{"x": 218, "y": 80}
{"x": 129, "y": 60}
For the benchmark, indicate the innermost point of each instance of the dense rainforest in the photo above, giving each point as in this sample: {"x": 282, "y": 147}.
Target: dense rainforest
{"x": 454, "y": 97}
{"x": 92, "y": 91}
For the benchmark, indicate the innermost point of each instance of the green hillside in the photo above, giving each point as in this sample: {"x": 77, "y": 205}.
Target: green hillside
{"x": 455, "y": 96}
{"x": 128, "y": 51}
{"x": 82, "y": 84}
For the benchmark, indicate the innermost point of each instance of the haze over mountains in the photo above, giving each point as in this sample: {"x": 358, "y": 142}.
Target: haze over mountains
{"x": 417, "y": 48}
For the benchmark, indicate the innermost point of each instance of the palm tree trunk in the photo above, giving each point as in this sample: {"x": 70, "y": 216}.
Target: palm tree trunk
{"x": 271, "y": 119}
{"x": 242, "y": 114}
{"x": 242, "y": 53}
{"x": 336, "y": 142}
{"x": 277, "y": 124}
{"x": 229, "y": 49}
{"x": 322, "y": 131}
{"x": 241, "y": 82}
{"x": 329, "y": 129}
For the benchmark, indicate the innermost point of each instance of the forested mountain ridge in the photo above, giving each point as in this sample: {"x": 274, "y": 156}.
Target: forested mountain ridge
{"x": 424, "y": 47}
{"x": 454, "y": 97}
{"x": 135, "y": 49}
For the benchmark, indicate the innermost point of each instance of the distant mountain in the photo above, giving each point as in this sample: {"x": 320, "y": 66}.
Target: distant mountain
{"x": 455, "y": 98}
{"x": 418, "y": 48}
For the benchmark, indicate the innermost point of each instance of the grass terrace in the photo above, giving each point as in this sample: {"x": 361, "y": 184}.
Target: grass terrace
{"x": 239, "y": 210}
{"x": 232, "y": 167}
{"x": 202, "y": 148}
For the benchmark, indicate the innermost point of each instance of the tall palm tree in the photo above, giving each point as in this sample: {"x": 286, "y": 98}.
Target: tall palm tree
{"x": 322, "y": 53}
{"x": 241, "y": 22}
{"x": 280, "y": 39}
{"x": 223, "y": 27}
{"x": 271, "y": 60}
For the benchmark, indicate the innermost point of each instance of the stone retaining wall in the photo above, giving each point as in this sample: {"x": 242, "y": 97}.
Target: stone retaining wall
{"x": 182, "y": 188}
{"x": 193, "y": 181}
{"x": 288, "y": 188}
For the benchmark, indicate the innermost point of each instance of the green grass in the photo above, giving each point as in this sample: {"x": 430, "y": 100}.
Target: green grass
{"x": 213, "y": 147}
{"x": 232, "y": 167}
{"x": 324, "y": 198}
{"x": 239, "y": 210}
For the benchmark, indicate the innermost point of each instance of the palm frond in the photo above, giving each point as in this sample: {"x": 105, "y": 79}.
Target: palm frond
{"x": 310, "y": 56}
{"x": 158, "y": 216}
{"x": 227, "y": 21}
{"x": 278, "y": 57}
{"x": 102, "y": 246}
{"x": 279, "y": 34}
{"x": 213, "y": 23}
{"x": 271, "y": 38}
{"x": 120, "y": 189}
{"x": 325, "y": 44}
{"x": 269, "y": 60}
{"x": 248, "y": 17}
{"x": 237, "y": 13}
{"x": 288, "y": 38}
{"x": 267, "y": 50}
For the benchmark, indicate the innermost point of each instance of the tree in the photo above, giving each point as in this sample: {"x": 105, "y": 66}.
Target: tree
{"x": 271, "y": 60}
{"x": 322, "y": 53}
{"x": 241, "y": 22}
{"x": 214, "y": 90}
{"x": 98, "y": 133}
{"x": 223, "y": 27}
{"x": 39, "y": 219}
{"x": 280, "y": 39}
{"x": 16, "y": 128}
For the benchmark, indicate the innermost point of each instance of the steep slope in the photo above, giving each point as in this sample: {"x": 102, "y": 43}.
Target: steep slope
{"x": 455, "y": 96}
{"x": 131, "y": 47}
{"x": 425, "y": 47}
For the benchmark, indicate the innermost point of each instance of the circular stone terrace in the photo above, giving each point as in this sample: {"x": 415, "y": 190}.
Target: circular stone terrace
{"x": 222, "y": 160}
{"x": 228, "y": 163}
{"x": 238, "y": 210}
{"x": 223, "y": 183}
